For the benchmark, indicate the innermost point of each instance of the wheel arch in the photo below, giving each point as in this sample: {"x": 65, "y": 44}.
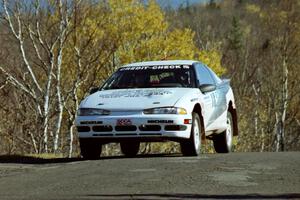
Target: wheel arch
{"x": 197, "y": 109}
{"x": 233, "y": 112}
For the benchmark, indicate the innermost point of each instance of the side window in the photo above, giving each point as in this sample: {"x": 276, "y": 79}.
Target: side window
{"x": 215, "y": 77}
{"x": 203, "y": 75}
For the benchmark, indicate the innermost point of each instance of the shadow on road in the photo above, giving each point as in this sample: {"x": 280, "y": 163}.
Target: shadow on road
{"x": 195, "y": 196}
{"x": 143, "y": 156}
{"x": 18, "y": 159}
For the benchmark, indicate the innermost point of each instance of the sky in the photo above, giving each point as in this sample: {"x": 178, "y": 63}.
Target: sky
{"x": 164, "y": 3}
{"x": 177, "y": 3}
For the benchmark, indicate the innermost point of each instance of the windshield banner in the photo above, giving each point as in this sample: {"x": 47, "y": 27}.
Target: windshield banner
{"x": 157, "y": 67}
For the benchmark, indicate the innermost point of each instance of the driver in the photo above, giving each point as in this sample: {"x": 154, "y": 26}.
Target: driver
{"x": 183, "y": 78}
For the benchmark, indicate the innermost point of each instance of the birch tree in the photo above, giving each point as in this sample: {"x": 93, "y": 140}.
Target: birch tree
{"x": 43, "y": 63}
{"x": 286, "y": 49}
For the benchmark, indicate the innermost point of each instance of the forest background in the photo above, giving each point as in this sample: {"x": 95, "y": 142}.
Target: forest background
{"x": 53, "y": 51}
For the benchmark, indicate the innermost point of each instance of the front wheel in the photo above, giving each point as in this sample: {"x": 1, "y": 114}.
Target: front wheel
{"x": 192, "y": 146}
{"x": 223, "y": 141}
{"x": 90, "y": 149}
{"x": 130, "y": 149}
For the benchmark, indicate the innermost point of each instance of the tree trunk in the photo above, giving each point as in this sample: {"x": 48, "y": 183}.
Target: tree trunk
{"x": 71, "y": 141}
{"x": 280, "y": 143}
{"x": 45, "y": 137}
{"x": 59, "y": 120}
{"x": 33, "y": 141}
{"x": 256, "y": 115}
{"x": 262, "y": 148}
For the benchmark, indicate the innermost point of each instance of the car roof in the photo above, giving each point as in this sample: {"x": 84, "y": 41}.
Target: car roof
{"x": 163, "y": 62}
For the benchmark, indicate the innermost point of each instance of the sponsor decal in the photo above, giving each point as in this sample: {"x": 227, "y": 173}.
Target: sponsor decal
{"x": 91, "y": 122}
{"x": 194, "y": 99}
{"x": 160, "y": 121}
{"x": 156, "y": 67}
{"x": 135, "y": 93}
{"x": 124, "y": 122}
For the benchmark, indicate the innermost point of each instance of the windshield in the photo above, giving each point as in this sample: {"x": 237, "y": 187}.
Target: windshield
{"x": 151, "y": 77}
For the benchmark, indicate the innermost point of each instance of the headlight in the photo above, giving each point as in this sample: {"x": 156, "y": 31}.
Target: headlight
{"x": 165, "y": 110}
{"x": 92, "y": 111}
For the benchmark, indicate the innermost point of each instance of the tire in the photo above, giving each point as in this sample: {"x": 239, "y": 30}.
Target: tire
{"x": 130, "y": 149}
{"x": 90, "y": 150}
{"x": 192, "y": 146}
{"x": 223, "y": 141}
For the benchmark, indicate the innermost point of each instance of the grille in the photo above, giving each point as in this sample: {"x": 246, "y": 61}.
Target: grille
{"x": 151, "y": 134}
{"x": 126, "y": 134}
{"x": 83, "y": 129}
{"x": 175, "y": 128}
{"x": 103, "y": 135}
{"x": 150, "y": 128}
{"x": 102, "y": 128}
{"x": 125, "y": 128}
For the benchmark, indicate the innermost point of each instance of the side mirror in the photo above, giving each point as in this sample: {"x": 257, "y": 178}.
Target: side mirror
{"x": 94, "y": 90}
{"x": 225, "y": 78}
{"x": 207, "y": 88}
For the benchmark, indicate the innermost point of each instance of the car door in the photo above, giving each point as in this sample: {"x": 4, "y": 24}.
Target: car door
{"x": 209, "y": 98}
{"x": 220, "y": 105}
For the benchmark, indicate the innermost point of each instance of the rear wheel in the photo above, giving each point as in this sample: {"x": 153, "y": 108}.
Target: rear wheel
{"x": 192, "y": 146}
{"x": 90, "y": 149}
{"x": 130, "y": 149}
{"x": 223, "y": 141}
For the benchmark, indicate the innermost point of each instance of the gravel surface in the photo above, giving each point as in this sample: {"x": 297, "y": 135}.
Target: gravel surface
{"x": 209, "y": 176}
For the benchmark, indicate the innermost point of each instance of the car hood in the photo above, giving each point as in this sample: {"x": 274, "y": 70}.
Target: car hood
{"x": 134, "y": 99}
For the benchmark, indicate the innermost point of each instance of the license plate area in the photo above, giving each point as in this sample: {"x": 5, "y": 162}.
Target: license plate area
{"x": 124, "y": 122}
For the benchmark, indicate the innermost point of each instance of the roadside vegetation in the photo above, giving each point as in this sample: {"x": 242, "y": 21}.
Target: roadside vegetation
{"x": 53, "y": 52}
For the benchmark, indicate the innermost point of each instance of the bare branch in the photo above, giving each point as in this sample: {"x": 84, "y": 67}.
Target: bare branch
{"x": 37, "y": 51}
{"x": 23, "y": 140}
{"x": 298, "y": 122}
{"x": 2, "y": 86}
{"x": 37, "y": 26}
{"x": 17, "y": 83}
{"x": 21, "y": 42}
{"x": 8, "y": 19}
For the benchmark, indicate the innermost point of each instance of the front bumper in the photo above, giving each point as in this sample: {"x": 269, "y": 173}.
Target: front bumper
{"x": 138, "y": 126}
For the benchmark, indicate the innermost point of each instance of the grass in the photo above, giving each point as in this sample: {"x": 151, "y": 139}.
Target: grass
{"x": 45, "y": 156}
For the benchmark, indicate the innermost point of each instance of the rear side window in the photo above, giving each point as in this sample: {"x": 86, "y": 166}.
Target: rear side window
{"x": 203, "y": 75}
{"x": 215, "y": 77}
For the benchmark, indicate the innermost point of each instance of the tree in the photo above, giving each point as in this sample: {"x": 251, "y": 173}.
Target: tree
{"x": 41, "y": 54}
{"x": 66, "y": 47}
{"x": 259, "y": 46}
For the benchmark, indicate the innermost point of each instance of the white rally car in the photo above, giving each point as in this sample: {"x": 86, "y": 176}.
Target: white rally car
{"x": 181, "y": 100}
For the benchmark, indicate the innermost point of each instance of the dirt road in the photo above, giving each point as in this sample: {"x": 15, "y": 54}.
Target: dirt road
{"x": 210, "y": 176}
